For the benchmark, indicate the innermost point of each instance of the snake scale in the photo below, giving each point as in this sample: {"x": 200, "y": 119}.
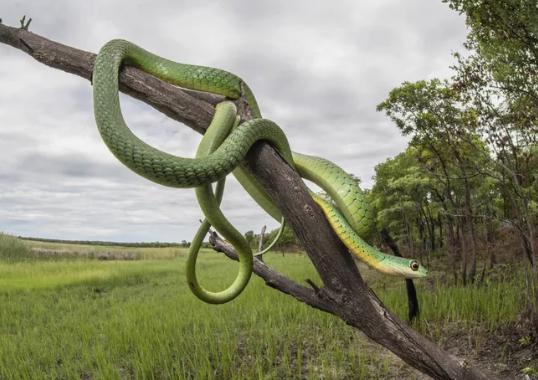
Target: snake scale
{"x": 221, "y": 152}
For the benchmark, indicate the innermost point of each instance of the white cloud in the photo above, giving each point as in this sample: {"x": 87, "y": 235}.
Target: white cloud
{"x": 317, "y": 68}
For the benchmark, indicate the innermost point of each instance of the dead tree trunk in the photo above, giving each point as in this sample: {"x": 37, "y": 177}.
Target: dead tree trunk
{"x": 260, "y": 243}
{"x": 343, "y": 293}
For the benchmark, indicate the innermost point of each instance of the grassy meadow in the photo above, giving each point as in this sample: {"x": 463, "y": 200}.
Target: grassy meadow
{"x": 81, "y": 318}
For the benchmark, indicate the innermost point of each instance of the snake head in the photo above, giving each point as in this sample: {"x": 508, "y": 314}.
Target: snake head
{"x": 401, "y": 267}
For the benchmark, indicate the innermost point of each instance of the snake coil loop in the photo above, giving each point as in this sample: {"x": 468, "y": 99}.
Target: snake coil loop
{"x": 222, "y": 151}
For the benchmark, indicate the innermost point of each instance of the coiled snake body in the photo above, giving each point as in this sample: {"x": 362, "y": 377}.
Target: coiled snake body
{"x": 222, "y": 151}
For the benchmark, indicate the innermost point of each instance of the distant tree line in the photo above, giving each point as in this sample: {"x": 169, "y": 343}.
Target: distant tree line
{"x": 156, "y": 244}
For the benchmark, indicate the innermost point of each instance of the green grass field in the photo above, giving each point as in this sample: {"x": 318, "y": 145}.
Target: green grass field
{"x": 90, "y": 319}
{"x": 143, "y": 253}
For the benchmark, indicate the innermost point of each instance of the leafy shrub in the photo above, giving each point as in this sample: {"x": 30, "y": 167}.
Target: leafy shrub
{"x": 12, "y": 249}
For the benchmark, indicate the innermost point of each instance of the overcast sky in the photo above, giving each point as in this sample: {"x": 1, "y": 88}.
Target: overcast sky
{"x": 317, "y": 70}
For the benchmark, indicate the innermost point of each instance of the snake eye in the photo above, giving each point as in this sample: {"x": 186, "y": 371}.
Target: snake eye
{"x": 414, "y": 265}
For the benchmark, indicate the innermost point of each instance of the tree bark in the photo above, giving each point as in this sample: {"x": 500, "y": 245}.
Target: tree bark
{"x": 343, "y": 293}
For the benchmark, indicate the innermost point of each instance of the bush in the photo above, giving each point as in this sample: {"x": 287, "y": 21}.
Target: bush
{"x": 12, "y": 249}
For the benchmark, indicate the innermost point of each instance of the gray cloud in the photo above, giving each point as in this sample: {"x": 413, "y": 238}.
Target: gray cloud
{"x": 318, "y": 69}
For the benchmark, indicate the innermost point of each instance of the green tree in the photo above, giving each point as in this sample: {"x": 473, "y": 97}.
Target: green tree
{"x": 504, "y": 37}
{"x": 500, "y": 77}
{"x": 443, "y": 131}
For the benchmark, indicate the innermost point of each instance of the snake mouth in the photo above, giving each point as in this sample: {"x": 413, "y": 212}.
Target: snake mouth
{"x": 420, "y": 273}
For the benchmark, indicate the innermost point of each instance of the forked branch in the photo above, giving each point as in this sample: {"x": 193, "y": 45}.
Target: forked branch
{"x": 344, "y": 293}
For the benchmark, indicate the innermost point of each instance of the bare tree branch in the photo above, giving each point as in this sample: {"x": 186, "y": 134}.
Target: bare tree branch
{"x": 181, "y": 105}
{"x": 275, "y": 279}
{"x": 344, "y": 293}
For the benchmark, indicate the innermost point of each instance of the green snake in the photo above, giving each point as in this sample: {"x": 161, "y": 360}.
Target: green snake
{"x": 221, "y": 152}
